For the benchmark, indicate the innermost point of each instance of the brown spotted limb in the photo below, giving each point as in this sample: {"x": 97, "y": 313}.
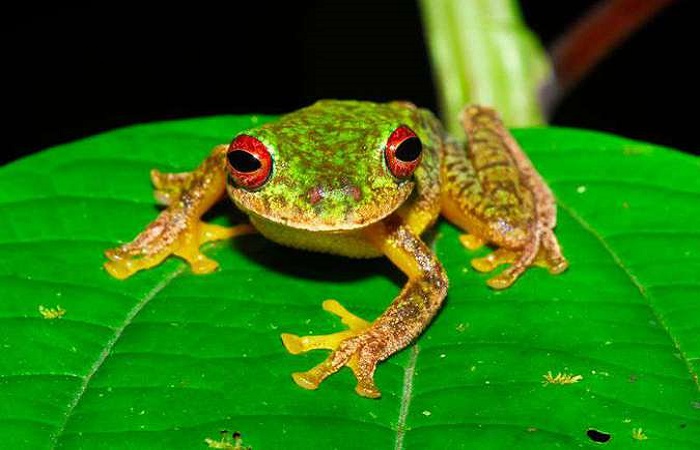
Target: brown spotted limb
{"x": 363, "y": 345}
{"x": 493, "y": 192}
{"x": 178, "y": 229}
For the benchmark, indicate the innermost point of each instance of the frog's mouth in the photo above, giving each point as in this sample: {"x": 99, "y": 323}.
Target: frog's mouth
{"x": 345, "y": 211}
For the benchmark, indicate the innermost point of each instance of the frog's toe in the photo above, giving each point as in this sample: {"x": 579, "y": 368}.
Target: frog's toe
{"x": 353, "y": 348}
{"x": 119, "y": 270}
{"x": 555, "y": 265}
{"x": 361, "y": 354}
{"x": 493, "y": 260}
{"x": 543, "y": 253}
{"x": 503, "y": 280}
{"x": 123, "y": 264}
{"x": 368, "y": 390}
{"x": 169, "y": 186}
{"x": 307, "y": 380}
{"x": 293, "y": 343}
{"x": 210, "y": 232}
{"x": 363, "y": 365}
{"x": 199, "y": 263}
{"x": 551, "y": 254}
{"x": 302, "y": 344}
{"x": 296, "y": 344}
{"x": 559, "y": 266}
{"x": 471, "y": 242}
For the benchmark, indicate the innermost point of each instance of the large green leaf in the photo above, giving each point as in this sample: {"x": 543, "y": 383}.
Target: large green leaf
{"x": 166, "y": 359}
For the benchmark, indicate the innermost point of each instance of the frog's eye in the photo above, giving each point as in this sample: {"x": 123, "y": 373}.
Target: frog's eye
{"x": 403, "y": 152}
{"x": 249, "y": 162}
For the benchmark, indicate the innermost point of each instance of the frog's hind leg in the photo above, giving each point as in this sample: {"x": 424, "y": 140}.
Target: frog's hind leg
{"x": 493, "y": 192}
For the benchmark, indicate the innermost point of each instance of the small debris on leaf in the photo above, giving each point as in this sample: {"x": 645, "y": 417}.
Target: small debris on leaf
{"x": 560, "y": 378}
{"x": 233, "y": 441}
{"x": 638, "y": 434}
{"x": 51, "y": 313}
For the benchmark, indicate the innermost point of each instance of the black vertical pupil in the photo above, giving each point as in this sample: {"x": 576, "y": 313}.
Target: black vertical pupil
{"x": 409, "y": 150}
{"x": 243, "y": 161}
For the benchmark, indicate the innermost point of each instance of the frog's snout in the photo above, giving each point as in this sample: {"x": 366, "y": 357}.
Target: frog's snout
{"x": 347, "y": 190}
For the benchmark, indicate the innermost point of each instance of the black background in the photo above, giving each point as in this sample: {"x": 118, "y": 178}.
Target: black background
{"x": 71, "y": 72}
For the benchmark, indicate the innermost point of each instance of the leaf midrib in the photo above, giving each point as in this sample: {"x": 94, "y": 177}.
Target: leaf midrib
{"x": 406, "y": 396}
{"x": 109, "y": 345}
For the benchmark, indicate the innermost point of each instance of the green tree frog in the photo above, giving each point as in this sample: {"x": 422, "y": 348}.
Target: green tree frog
{"x": 363, "y": 180}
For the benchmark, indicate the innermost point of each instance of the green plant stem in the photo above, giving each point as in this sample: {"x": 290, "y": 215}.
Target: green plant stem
{"x": 482, "y": 52}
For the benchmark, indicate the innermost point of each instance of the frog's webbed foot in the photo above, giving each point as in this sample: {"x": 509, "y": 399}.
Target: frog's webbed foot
{"x": 172, "y": 233}
{"x": 357, "y": 348}
{"x": 542, "y": 251}
{"x": 494, "y": 192}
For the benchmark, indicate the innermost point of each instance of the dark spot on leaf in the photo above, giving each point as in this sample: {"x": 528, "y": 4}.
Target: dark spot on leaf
{"x": 236, "y": 435}
{"x": 598, "y": 436}
{"x": 683, "y": 425}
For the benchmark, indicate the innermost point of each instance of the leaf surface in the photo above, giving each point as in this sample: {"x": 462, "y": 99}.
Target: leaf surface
{"x": 166, "y": 359}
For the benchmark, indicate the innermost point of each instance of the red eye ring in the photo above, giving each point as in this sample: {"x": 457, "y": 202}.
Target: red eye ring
{"x": 249, "y": 162}
{"x": 403, "y": 152}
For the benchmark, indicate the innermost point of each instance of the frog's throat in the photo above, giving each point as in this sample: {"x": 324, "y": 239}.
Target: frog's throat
{"x": 361, "y": 216}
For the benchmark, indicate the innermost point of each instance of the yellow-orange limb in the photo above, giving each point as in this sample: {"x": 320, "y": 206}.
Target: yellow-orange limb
{"x": 364, "y": 345}
{"x": 493, "y": 192}
{"x": 178, "y": 230}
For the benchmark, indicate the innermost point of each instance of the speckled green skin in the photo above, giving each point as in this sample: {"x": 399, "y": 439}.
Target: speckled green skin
{"x": 329, "y": 174}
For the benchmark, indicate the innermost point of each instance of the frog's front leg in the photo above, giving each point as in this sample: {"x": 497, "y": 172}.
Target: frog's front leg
{"x": 495, "y": 193}
{"x": 178, "y": 229}
{"x": 365, "y": 344}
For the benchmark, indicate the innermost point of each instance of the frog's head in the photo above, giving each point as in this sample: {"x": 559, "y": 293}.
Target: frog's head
{"x": 335, "y": 165}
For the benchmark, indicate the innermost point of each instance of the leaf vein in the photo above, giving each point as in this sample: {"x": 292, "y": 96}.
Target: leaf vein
{"x": 108, "y": 349}
{"x": 406, "y": 395}
{"x": 586, "y": 226}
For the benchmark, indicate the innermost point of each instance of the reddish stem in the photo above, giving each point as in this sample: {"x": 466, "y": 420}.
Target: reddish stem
{"x": 595, "y": 35}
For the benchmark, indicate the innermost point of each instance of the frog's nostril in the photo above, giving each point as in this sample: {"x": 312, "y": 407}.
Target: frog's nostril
{"x": 353, "y": 191}
{"x": 316, "y": 194}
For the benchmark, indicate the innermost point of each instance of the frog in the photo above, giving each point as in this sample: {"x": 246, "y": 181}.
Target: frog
{"x": 361, "y": 179}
